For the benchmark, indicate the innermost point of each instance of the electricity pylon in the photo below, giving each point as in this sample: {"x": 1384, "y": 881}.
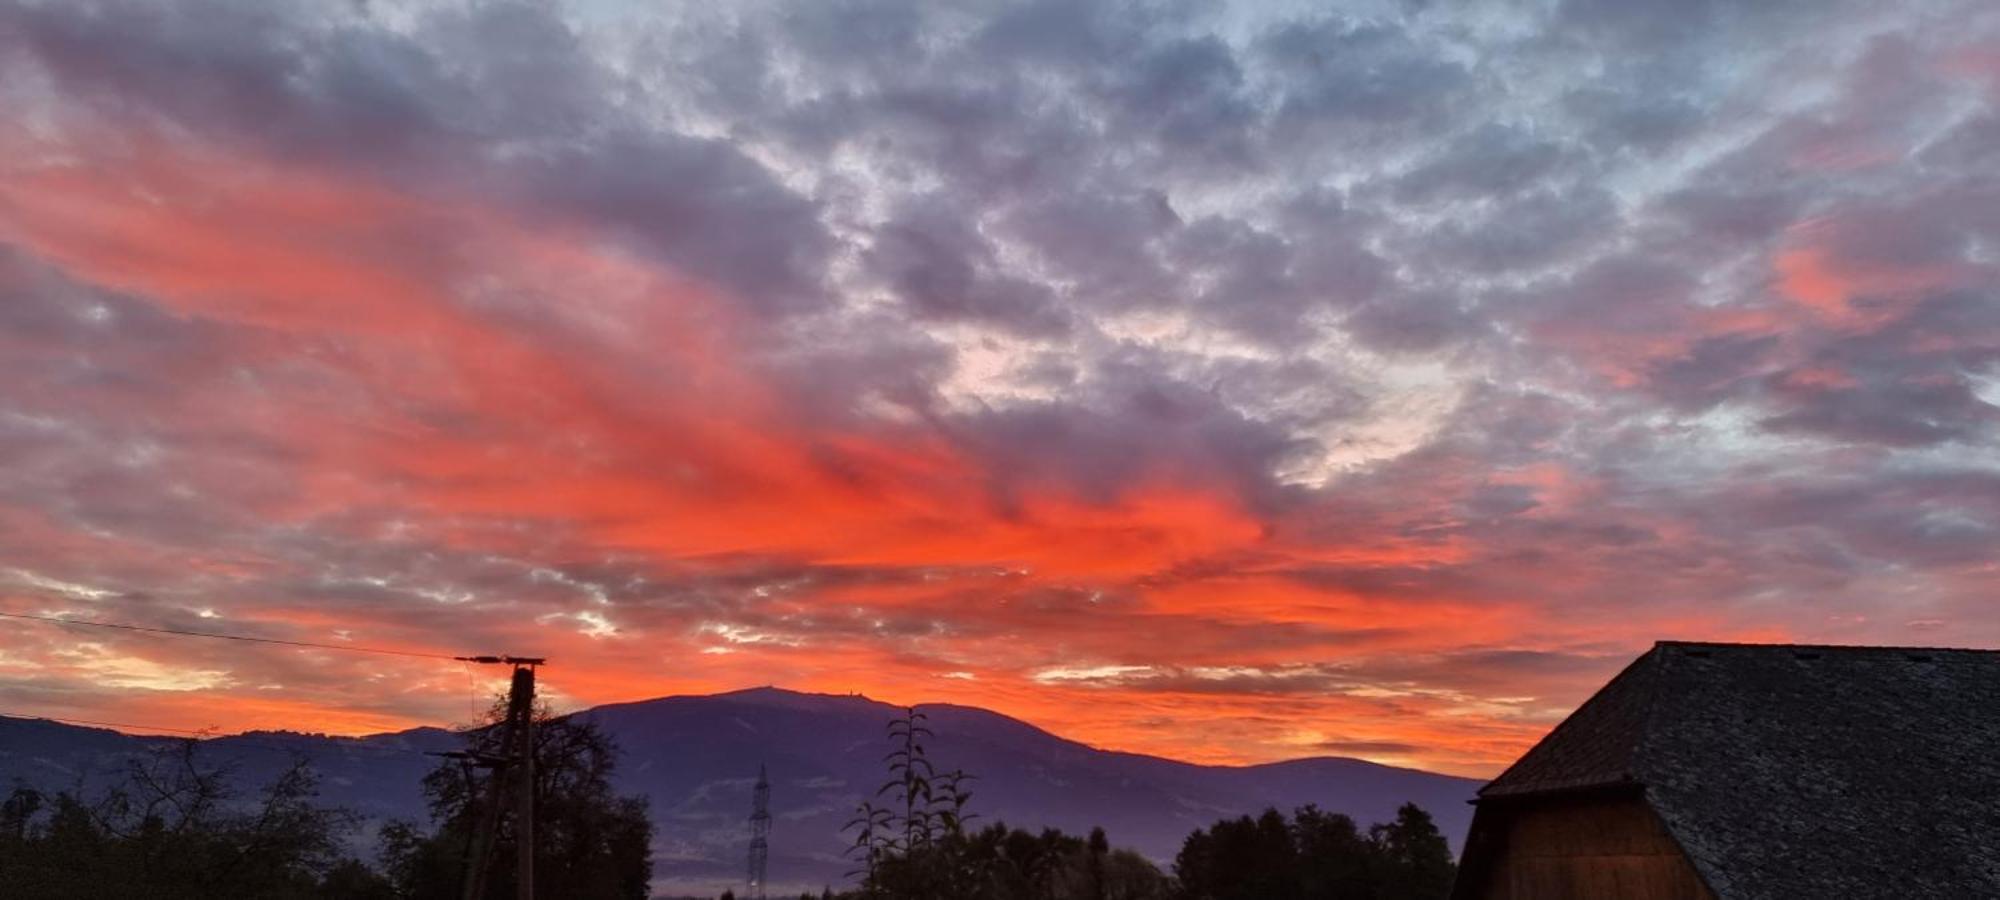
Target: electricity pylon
{"x": 760, "y": 836}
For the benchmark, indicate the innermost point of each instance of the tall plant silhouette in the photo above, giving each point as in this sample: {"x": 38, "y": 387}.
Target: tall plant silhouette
{"x": 909, "y": 837}
{"x": 873, "y": 828}
{"x": 910, "y": 777}
{"x": 950, "y": 796}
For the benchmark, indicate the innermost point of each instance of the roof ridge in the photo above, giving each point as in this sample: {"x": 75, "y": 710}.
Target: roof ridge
{"x": 1875, "y": 648}
{"x": 1603, "y": 702}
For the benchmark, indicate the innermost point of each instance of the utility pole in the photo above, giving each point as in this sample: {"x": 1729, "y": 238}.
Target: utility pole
{"x": 484, "y": 830}
{"x": 760, "y": 836}
{"x": 523, "y": 692}
{"x": 516, "y": 764}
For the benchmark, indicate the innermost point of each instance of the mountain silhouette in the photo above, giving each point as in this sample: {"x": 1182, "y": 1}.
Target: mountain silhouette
{"x": 696, "y": 759}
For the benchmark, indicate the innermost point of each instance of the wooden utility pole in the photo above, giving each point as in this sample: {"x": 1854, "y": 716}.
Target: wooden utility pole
{"x": 524, "y": 776}
{"x": 485, "y": 829}
{"x": 515, "y": 765}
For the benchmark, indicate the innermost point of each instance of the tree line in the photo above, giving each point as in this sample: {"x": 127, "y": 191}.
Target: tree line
{"x": 174, "y": 828}
{"x": 912, "y": 842}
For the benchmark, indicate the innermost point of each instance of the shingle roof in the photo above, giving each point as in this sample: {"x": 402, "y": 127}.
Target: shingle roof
{"x": 1799, "y": 771}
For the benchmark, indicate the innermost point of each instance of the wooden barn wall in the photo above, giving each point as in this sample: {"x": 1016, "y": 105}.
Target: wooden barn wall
{"x": 1584, "y": 850}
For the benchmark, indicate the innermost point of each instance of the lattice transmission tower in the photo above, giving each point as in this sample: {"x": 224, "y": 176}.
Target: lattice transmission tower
{"x": 760, "y": 836}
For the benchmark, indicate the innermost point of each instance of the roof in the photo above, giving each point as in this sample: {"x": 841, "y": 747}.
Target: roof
{"x": 1795, "y": 770}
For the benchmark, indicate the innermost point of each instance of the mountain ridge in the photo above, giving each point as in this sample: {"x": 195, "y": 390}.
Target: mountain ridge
{"x": 695, "y": 757}
{"x": 892, "y": 708}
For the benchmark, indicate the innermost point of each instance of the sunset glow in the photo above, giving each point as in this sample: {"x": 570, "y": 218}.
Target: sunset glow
{"x": 1232, "y": 386}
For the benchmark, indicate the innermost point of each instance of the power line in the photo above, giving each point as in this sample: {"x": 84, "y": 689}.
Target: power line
{"x": 236, "y": 637}
{"x": 189, "y": 731}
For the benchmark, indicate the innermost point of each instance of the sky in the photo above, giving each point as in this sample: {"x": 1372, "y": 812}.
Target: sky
{"x": 1231, "y": 382}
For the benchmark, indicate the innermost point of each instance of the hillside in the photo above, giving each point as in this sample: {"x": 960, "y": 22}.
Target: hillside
{"x": 695, "y": 757}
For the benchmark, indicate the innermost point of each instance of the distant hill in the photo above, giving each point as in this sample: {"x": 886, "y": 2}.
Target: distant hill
{"x": 696, "y": 758}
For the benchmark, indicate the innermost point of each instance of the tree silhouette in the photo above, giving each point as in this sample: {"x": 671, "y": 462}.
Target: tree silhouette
{"x": 1316, "y": 856}
{"x": 589, "y": 843}
{"x": 171, "y": 828}
{"x": 1417, "y": 856}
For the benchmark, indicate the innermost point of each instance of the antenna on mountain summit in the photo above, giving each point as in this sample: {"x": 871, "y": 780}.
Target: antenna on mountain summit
{"x": 760, "y": 836}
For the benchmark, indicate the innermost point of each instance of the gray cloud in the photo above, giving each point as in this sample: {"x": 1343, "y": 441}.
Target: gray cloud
{"x": 1587, "y": 313}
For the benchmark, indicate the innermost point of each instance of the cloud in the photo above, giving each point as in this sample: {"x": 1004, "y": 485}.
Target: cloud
{"x": 1152, "y": 371}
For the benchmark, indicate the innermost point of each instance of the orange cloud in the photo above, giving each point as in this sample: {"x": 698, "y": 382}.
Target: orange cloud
{"x": 442, "y": 378}
{"x": 1829, "y": 284}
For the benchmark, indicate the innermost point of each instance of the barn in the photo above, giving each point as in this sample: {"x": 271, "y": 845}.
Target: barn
{"x": 1756, "y": 772}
